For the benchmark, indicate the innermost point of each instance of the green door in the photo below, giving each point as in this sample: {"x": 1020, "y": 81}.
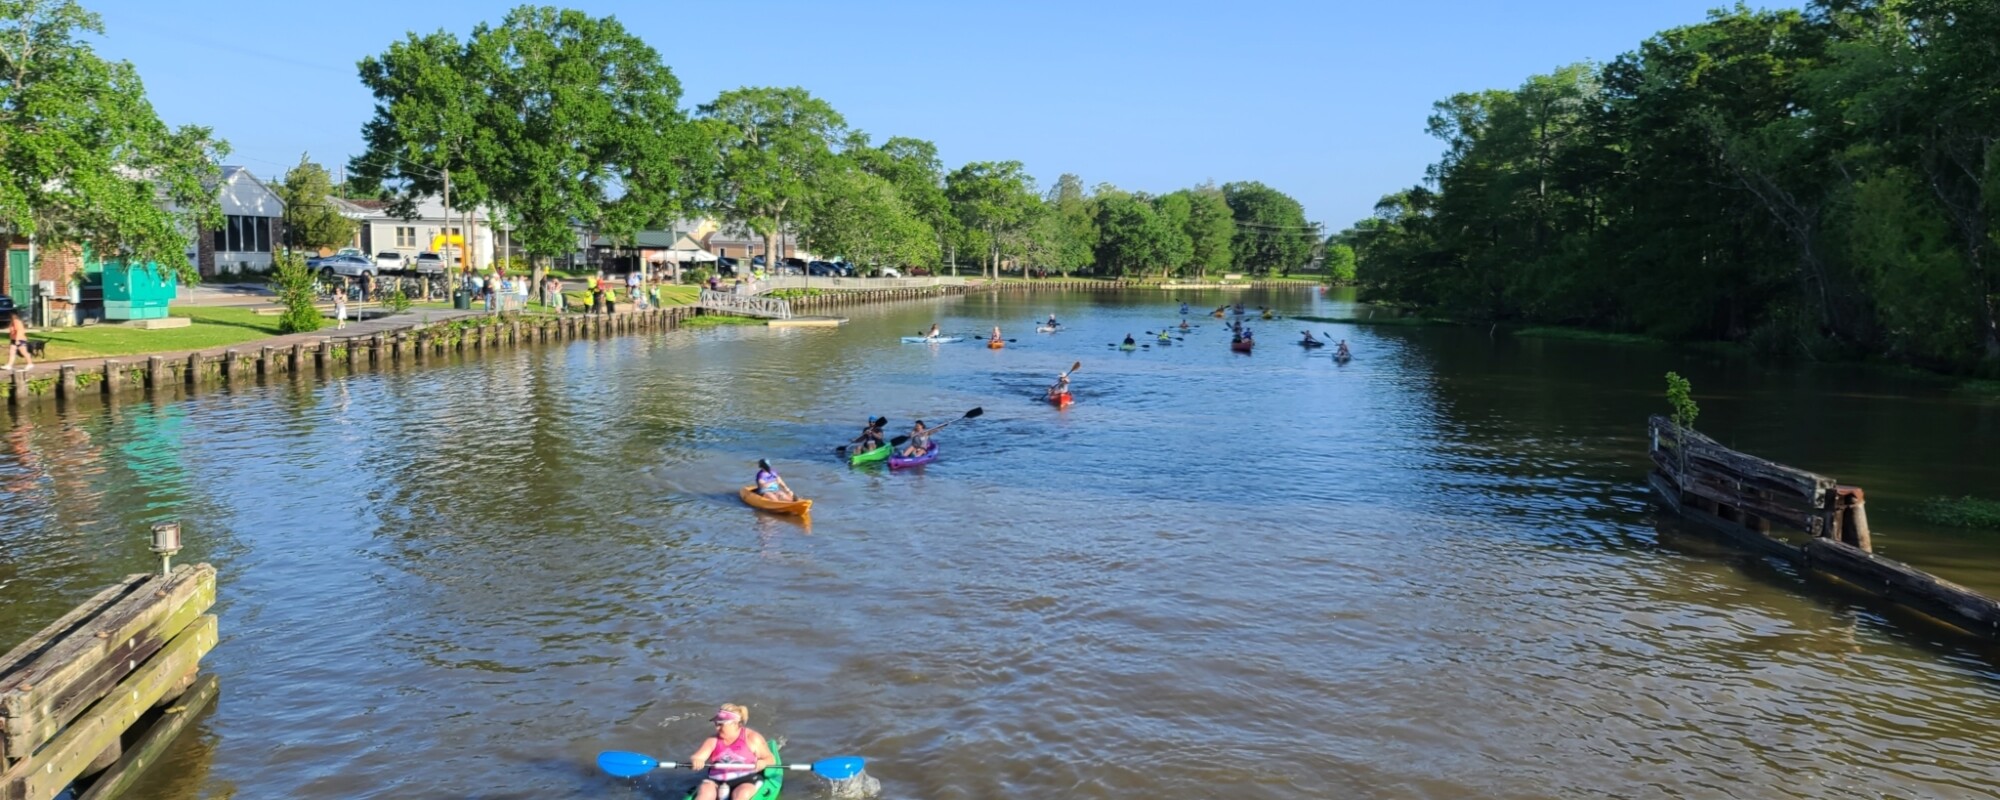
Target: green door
{"x": 20, "y": 283}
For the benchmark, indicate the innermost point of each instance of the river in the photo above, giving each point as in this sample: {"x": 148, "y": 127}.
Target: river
{"x": 1429, "y": 573}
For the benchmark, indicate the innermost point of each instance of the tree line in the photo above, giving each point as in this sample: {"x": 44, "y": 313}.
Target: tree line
{"x": 1820, "y": 182}
{"x": 562, "y": 120}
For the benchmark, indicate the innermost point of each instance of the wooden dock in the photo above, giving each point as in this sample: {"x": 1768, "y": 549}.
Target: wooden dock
{"x": 1752, "y": 501}
{"x": 101, "y": 692}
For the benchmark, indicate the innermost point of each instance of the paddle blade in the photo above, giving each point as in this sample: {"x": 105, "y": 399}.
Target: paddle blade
{"x": 626, "y": 765}
{"x": 899, "y": 441}
{"x": 1076, "y": 366}
{"x": 974, "y": 414}
{"x": 838, "y": 769}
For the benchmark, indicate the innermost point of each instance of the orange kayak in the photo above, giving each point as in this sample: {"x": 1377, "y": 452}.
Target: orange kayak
{"x": 755, "y": 500}
{"x": 1062, "y": 400}
{"x": 995, "y": 344}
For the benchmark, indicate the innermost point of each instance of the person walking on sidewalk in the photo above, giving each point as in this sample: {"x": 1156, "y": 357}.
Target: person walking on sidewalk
{"x": 339, "y": 310}
{"x": 17, "y": 341}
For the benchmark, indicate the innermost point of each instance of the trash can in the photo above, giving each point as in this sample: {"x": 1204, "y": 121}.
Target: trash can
{"x": 461, "y": 300}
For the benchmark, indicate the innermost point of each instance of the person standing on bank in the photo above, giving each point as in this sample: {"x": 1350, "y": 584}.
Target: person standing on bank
{"x": 339, "y": 310}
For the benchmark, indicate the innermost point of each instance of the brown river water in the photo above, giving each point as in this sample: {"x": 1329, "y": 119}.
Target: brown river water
{"x": 1429, "y": 573}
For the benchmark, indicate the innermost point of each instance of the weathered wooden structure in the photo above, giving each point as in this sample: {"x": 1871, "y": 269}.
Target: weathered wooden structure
{"x": 1744, "y": 497}
{"x": 744, "y": 305}
{"x": 100, "y": 692}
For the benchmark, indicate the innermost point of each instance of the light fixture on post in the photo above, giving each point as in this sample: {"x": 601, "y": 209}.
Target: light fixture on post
{"x": 167, "y": 542}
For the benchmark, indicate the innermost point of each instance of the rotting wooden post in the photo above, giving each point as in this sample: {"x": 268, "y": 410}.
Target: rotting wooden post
{"x": 319, "y": 354}
{"x": 66, "y": 383}
{"x": 109, "y": 383}
{"x": 230, "y": 359}
{"x": 193, "y": 373}
{"x": 264, "y": 360}
{"x": 297, "y": 357}
{"x": 353, "y": 352}
{"x": 375, "y": 349}
{"x": 1854, "y": 518}
{"x": 156, "y": 369}
{"x": 19, "y": 394}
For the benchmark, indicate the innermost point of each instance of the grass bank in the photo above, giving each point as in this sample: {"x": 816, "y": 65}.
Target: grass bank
{"x": 212, "y": 327}
{"x": 1397, "y": 322}
{"x": 719, "y": 320}
{"x": 1962, "y": 512}
{"x": 1586, "y": 335}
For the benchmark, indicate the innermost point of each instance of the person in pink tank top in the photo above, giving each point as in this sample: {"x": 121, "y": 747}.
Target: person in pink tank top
{"x": 735, "y": 757}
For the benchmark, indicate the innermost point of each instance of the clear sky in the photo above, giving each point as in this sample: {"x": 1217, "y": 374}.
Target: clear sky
{"x": 1323, "y": 100}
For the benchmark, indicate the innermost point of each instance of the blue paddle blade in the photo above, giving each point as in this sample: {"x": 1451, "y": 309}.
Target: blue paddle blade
{"x": 838, "y": 769}
{"x": 626, "y": 765}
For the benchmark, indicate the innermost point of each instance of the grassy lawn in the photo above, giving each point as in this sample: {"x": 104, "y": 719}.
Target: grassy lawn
{"x": 1586, "y": 335}
{"x": 212, "y": 327}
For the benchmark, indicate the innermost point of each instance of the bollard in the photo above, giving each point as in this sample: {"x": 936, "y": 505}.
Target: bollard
{"x": 193, "y": 369}
{"x": 264, "y": 360}
{"x": 155, "y": 366}
{"x": 109, "y": 382}
{"x": 66, "y": 385}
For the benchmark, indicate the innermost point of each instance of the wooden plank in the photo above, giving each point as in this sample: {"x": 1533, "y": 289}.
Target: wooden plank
{"x": 143, "y": 753}
{"x": 48, "y": 771}
{"x": 53, "y": 634}
{"x": 1810, "y": 487}
{"x": 56, "y": 686}
{"x": 1901, "y": 583}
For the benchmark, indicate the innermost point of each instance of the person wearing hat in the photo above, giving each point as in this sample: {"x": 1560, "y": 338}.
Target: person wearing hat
{"x": 871, "y": 434}
{"x": 1061, "y": 387}
{"x": 770, "y": 485}
{"x": 735, "y": 757}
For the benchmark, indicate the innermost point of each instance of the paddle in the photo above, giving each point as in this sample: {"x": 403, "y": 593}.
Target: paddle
{"x": 973, "y": 414}
{"x": 631, "y": 765}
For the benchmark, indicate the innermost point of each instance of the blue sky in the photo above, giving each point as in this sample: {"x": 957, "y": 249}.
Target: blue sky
{"x": 1323, "y": 100}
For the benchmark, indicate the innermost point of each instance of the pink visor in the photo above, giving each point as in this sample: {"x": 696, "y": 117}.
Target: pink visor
{"x": 725, "y": 715}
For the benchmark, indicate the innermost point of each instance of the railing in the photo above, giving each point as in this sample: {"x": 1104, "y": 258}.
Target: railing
{"x": 744, "y": 305}
{"x": 849, "y": 284}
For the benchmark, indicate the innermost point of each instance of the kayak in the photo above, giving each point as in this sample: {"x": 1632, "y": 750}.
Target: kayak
{"x": 995, "y": 344}
{"x": 1267, "y": 316}
{"x": 872, "y": 456}
{"x": 1338, "y": 359}
{"x": 930, "y": 455}
{"x": 1128, "y": 347}
{"x": 755, "y": 500}
{"x": 1045, "y": 329}
{"x": 929, "y": 340}
{"x": 774, "y": 779}
{"x": 1063, "y": 400}
{"x": 1309, "y": 344}
{"x": 1164, "y": 341}
{"x": 1241, "y": 345}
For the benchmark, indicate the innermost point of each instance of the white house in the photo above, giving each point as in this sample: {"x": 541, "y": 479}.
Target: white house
{"x": 428, "y": 232}
{"x": 252, "y": 223}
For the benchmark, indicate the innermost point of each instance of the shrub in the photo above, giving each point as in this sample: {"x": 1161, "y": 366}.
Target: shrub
{"x": 295, "y": 291}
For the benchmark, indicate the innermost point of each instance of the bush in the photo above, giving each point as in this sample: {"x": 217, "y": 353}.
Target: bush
{"x": 397, "y": 300}
{"x": 295, "y": 291}
{"x": 696, "y": 275}
{"x": 1963, "y": 512}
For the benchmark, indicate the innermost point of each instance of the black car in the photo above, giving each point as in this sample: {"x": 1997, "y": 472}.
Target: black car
{"x": 726, "y": 267}
{"x": 823, "y": 269}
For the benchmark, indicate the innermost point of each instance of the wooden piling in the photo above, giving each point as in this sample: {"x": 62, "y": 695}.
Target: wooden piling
{"x": 156, "y": 370}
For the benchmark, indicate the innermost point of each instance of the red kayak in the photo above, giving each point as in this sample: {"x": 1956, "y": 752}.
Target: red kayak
{"x": 1241, "y": 345}
{"x": 1062, "y": 400}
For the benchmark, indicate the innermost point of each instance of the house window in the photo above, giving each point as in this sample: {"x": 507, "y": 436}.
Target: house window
{"x": 406, "y": 237}
{"x": 244, "y": 235}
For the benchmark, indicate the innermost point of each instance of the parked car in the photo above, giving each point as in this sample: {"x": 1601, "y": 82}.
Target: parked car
{"x": 795, "y": 263}
{"x": 390, "y": 261}
{"x": 725, "y": 266}
{"x": 351, "y": 266}
{"x": 428, "y": 263}
{"x": 890, "y": 272}
{"x": 823, "y": 269}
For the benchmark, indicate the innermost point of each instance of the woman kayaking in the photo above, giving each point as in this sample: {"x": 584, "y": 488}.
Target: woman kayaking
{"x": 1060, "y": 388}
{"x": 1184, "y": 325}
{"x": 920, "y": 440}
{"x": 1130, "y": 342}
{"x": 996, "y": 332}
{"x": 1309, "y": 341}
{"x": 1184, "y": 308}
{"x": 934, "y": 332}
{"x": 1340, "y": 351}
{"x": 770, "y": 485}
{"x": 735, "y": 757}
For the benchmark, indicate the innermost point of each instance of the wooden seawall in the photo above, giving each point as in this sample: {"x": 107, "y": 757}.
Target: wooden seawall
{"x": 99, "y": 693}
{"x": 1743, "y": 497}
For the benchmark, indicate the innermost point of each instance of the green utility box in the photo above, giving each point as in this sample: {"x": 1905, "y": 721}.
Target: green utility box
{"x": 137, "y": 291}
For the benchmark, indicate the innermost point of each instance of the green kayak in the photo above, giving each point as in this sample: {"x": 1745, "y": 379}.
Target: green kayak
{"x": 774, "y": 779}
{"x": 872, "y": 456}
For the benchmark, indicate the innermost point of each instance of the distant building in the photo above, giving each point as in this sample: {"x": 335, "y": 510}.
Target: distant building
{"x": 252, "y": 223}
{"x": 429, "y": 231}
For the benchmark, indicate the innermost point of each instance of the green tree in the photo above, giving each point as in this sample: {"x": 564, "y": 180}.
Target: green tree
{"x": 995, "y": 198}
{"x": 861, "y": 216}
{"x": 1132, "y": 236}
{"x": 427, "y": 137}
{"x": 1071, "y": 225}
{"x": 311, "y": 220}
{"x": 913, "y": 168}
{"x": 773, "y": 145}
{"x": 1339, "y": 262}
{"x": 1176, "y": 245}
{"x": 84, "y": 159}
{"x": 1211, "y": 229}
{"x": 1271, "y": 228}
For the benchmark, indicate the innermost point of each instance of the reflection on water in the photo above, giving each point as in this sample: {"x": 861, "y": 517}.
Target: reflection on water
{"x": 1430, "y": 572}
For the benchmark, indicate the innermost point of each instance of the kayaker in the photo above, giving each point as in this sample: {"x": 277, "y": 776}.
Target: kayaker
{"x": 1061, "y": 388}
{"x": 934, "y": 332}
{"x": 1052, "y": 321}
{"x": 920, "y": 440}
{"x": 996, "y": 333}
{"x": 735, "y": 757}
{"x": 1184, "y": 325}
{"x": 1184, "y": 307}
{"x": 1340, "y": 350}
{"x": 1130, "y": 342}
{"x": 871, "y": 434}
{"x": 770, "y": 485}
{"x": 1309, "y": 341}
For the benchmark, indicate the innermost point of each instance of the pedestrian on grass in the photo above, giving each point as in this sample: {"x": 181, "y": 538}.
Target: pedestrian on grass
{"x": 339, "y": 310}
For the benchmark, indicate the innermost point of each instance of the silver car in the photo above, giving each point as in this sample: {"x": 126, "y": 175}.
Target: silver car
{"x": 345, "y": 264}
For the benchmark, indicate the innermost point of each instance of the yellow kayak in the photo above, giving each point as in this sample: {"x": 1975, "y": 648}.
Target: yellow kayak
{"x": 995, "y": 344}
{"x": 755, "y": 500}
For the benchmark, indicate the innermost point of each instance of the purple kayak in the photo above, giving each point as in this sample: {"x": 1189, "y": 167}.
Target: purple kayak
{"x": 930, "y": 455}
